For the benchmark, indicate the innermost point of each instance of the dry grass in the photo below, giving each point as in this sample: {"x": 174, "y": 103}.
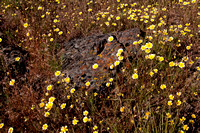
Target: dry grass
{"x": 164, "y": 97}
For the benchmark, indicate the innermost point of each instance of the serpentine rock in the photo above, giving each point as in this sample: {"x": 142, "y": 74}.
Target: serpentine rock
{"x": 9, "y": 62}
{"x": 81, "y": 54}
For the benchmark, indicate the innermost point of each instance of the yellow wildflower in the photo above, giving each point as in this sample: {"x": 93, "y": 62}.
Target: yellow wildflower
{"x": 17, "y": 58}
{"x": 10, "y": 130}
{"x": 163, "y": 86}
{"x": 57, "y": 29}
{"x": 117, "y": 18}
{"x": 110, "y": 39}
{"x": 151, "y": 56}
{"x": 42, "y": 104}
{"x": 161, "y": 59}
{"x": 182, "y": 119}
{"x": 111, "y": 79}
{"x": 67, "y": 79}
{"x": 39, "y": 8}
{"x": 120, "y": 50}
{"x": 64, "y": 129}
{"x": 120, "y": 57}
{"x": 149, "y": 45}
{"x": 180, "y": 26}
{"x": 178, "y": 103}
{"x": 178, "y": 93}
{"x": 171, "y": 64}
{"x": 114, "y": 24}
{"x": 95, "y": 66}
{"x": 57, "y": 73}
{"x": 118, "y": 54}
{"x": 151, "y": 27}
{"x": 147, "y": 113}
{"x": 107, "y": 23}
{"x": 25, "y": 25}
{"x": 95, "y": 127}
{"x": 122, "y": 109}
{"x": 95, "y": 94}
{"x": 60, "y": 33}
{"x": 143, "y": 47}
{"x": 146, "y": 117}
{"x": 75, "y": 121}
{"x": 150, "y": 38}
{"x": 181, "y": 131}
{"x": 85, "y": 112}
{"x": 171, "y": 97}
{"x": 147, "y": 51}
{"x": 89, "y": 10}
{"x": 44, "y": 127}
{"x": 185, "y": 127}
{"x": 181, "y": 64}
{"x": 87, "y": 83}
{"x": 151, "y": 73}
{"x": 1, "y": 125}
{"x": 135, "y": 76}
{"x": 85, "y": 119}
{"x": 193, "y": 1}
{"x": 193, "y": 116}
{"x": 188, "y": 47}
{"x": 55, "y": 20}
{"x": 51, "y": 99}
{"x": 171, "y": 122}
{"x": 46, "y": 114}
{"x": 140, "y": 41}
{"x": 12, "y": 82}
{"x": 107, "y": 84}
{"x": 135, "y": 43}
{"x": 49, "y": 87}
{"x": 72, "y": 90}
{"x": 170, "y": 39}
{"x": 112, "y": 66}
{"x": 185, "y": 58}
{"x": 42, "y": 16}
{"x": 155, "y": 70}
{"x": 63, "y": 105}
{"x": 168, "y": 115}
{"x": 169, "y": 103}
{"x": 49, "y": 105}
{"x": 191, "y": 121}
{"x": 116, "y": 63}
{"x": 135, "y": 71}
{"x": 187, "y": 24}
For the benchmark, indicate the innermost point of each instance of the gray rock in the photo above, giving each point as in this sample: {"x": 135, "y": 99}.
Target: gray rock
{"x": 80, "y": 54}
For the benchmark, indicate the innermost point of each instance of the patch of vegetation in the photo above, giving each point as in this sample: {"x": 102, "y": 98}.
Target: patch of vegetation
{"x": 158, "y": 91}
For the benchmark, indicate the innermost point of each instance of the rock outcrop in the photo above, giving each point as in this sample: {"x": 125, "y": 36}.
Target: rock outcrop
{"x": 9, "y": 62}
{"x": 81, "y": 54}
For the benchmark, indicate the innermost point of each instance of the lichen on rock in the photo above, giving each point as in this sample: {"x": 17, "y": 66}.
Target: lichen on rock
{"x": 82, "y": 53}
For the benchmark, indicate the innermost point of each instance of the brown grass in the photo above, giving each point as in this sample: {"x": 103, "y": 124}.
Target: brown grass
{"x": 132, "y": 105}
